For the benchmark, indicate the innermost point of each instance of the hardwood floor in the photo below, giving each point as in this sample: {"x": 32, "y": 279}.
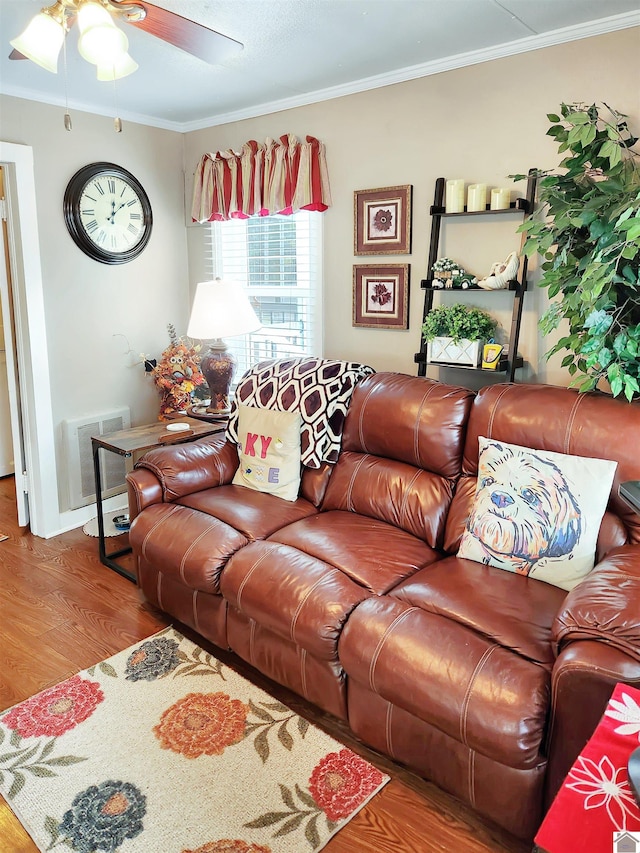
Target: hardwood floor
{"x": 61, "y": 611}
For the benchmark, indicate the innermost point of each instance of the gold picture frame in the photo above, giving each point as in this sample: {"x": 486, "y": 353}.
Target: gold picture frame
{"x": 381, "y": 296}
{"x": 382, "y": 221}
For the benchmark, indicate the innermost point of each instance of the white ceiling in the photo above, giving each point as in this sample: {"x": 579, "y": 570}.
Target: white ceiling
{"x": 300, "y": 51}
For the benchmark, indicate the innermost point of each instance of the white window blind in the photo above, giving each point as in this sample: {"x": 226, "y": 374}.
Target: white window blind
{"x": 278, "y": 260}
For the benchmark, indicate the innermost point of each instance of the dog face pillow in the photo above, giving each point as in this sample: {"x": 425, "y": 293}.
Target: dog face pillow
{"x": 537, "y": 513}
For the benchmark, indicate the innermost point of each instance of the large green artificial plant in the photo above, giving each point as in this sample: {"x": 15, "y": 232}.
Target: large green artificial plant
{"x": 588, "y": 230}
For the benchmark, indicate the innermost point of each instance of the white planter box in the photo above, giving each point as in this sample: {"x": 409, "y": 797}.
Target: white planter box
{"x": 444, "y": 351}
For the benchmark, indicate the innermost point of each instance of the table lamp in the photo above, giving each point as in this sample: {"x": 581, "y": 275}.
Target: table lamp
{"x": 221, "y": 309}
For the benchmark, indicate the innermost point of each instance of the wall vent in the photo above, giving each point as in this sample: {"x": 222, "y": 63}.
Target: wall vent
{"x": 77, "y": 439}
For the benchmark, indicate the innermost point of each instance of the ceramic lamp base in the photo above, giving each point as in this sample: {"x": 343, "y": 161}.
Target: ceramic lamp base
{"x": 218, "y": 367}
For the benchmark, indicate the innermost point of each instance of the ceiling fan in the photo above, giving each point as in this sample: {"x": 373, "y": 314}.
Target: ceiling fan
{"x": 103, "y": 44}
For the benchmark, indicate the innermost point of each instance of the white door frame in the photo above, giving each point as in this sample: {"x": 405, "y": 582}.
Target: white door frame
{"x": 31, "y": 338}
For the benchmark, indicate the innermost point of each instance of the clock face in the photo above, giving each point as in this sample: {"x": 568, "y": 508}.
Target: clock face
{"x": 107, "y": 213}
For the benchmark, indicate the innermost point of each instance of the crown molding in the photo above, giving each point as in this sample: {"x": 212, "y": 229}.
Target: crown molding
{"x": 81, "y": 106}
{"x": 401, "y": 75}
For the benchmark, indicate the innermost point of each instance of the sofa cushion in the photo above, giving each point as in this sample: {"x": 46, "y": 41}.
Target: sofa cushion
{"x": 184, "y": 544}
{"x": 401, "y": 495}
{"x": 414, "y": 420}
{"x": 295, "y": 596}
{"x": 516, "y": 612}
{"x": 467, "y": 686}
{"x": 269, "y": 451}
{"x": 373, "y": 554}
{"x": 536, "y": 512}
{"x": 254, "y": 514}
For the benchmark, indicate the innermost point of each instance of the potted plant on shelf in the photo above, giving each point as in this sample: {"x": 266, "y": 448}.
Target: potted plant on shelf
{"x": 455, "y": 334}
{"x": 587, "y": 229}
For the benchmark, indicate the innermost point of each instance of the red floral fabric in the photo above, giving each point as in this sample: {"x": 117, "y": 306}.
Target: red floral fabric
{"x": 341, "y": 782}
{"x": 56, "y": 710}
{"x": 596, "y": 800}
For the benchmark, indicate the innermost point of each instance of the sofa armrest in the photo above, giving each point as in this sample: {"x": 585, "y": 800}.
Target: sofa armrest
{"x": 143, "y": 490}
{"x": 582, "y": 681}
{"x": 605, "y": 606}
{"x": 182, "y": 469}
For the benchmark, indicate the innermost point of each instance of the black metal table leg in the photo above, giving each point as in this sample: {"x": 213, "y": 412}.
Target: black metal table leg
{"x": 106, "y": 559}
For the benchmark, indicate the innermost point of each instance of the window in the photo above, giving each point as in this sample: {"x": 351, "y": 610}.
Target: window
{"x": 278, "y": 259}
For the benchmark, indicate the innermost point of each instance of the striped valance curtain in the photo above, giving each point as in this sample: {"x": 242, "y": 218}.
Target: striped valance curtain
{"x": 280, "y": 176}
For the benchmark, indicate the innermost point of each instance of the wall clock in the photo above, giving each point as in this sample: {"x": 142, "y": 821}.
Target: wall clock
{"x": 107, "y": 213}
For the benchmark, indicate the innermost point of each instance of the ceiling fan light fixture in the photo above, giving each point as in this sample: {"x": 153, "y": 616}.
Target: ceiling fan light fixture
{"x": 42, "y": 39}
{"x": 102, "y": 45}
{"x": 100, "y": 42}
{"x": 93, "y": 14}
{"x": 121, "y": 67}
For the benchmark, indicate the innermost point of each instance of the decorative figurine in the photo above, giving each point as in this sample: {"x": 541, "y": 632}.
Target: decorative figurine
{"x": 448, "y": 274}
{"x": 501, "y": 273}
{"x": 176, "y": 376}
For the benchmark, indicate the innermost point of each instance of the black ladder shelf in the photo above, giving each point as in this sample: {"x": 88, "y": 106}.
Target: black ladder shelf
{"x": 522, "y": 206}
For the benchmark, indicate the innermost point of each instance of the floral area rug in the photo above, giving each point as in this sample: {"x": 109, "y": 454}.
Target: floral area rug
{"x": 163, "y": 749}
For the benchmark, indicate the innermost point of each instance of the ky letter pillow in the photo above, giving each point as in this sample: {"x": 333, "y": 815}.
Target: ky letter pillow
{"x": 537, "y": 513}
{"x": 269, "y": 450}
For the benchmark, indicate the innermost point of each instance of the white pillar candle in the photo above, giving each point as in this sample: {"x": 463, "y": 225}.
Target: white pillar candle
{"x": 454, "y": 202}
{"x": 500, "y": 198}
{"x": 477, "y": 197}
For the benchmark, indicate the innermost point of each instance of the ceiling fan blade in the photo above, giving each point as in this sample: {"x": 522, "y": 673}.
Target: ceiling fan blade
{"x": 15, "y": 54}
{"x": 206, "y": 44}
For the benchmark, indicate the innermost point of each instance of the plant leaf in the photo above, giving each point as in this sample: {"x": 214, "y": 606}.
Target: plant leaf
{"x": 17, "y": 785}
{"x": 284, "y": 737}
{"x": 261, "y": 744}
{"x": 311, "y": 833}
{"x": 260, "y": 712}
{"x": 287, "y": 798}
{"x": 292, "y": 824}
{"x": 267, "y": 819}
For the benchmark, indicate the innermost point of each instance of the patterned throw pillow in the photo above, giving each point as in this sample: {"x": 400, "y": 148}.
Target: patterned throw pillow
{"x": 319, "y": 388}
{"x": 269, "y": 450}
{"x": 537, "y": 513}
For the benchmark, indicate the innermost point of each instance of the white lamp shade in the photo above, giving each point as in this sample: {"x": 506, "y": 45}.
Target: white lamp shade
{"x": 41, "y": 41}
{"x": 100, "y": 42}
{"x": 121, "y": 67}
{"x": 221, "y": 309}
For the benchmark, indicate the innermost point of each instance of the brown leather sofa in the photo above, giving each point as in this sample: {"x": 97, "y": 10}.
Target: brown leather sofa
{"x": 486, "y": 682}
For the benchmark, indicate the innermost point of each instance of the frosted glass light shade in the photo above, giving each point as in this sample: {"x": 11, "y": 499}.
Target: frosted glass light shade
{"x": 121, "y": 67}
{"x": 91, "y": 14}
{"x": 221, "y": 309}
{"x": 41, "y": 41}
{"x": 100, "y": 42}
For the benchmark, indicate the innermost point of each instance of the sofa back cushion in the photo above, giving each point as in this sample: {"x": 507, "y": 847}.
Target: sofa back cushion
{"x": 401, "y": 453}
{"x": 560, "y": 420}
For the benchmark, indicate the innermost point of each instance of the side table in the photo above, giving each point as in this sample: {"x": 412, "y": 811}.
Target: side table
{"x": 126, "y": 442}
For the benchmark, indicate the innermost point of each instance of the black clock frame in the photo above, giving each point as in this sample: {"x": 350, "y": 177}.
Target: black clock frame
{"x": 71, "y": 209}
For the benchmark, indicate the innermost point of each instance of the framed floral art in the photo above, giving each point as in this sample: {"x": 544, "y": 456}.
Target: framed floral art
{"x": 381, "y": 296}
{"x": 382, "y": 221}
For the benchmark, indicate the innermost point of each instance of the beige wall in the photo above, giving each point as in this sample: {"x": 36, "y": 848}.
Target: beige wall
{"x": 95, "y": 312}
{"x": 479, "y": 123}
